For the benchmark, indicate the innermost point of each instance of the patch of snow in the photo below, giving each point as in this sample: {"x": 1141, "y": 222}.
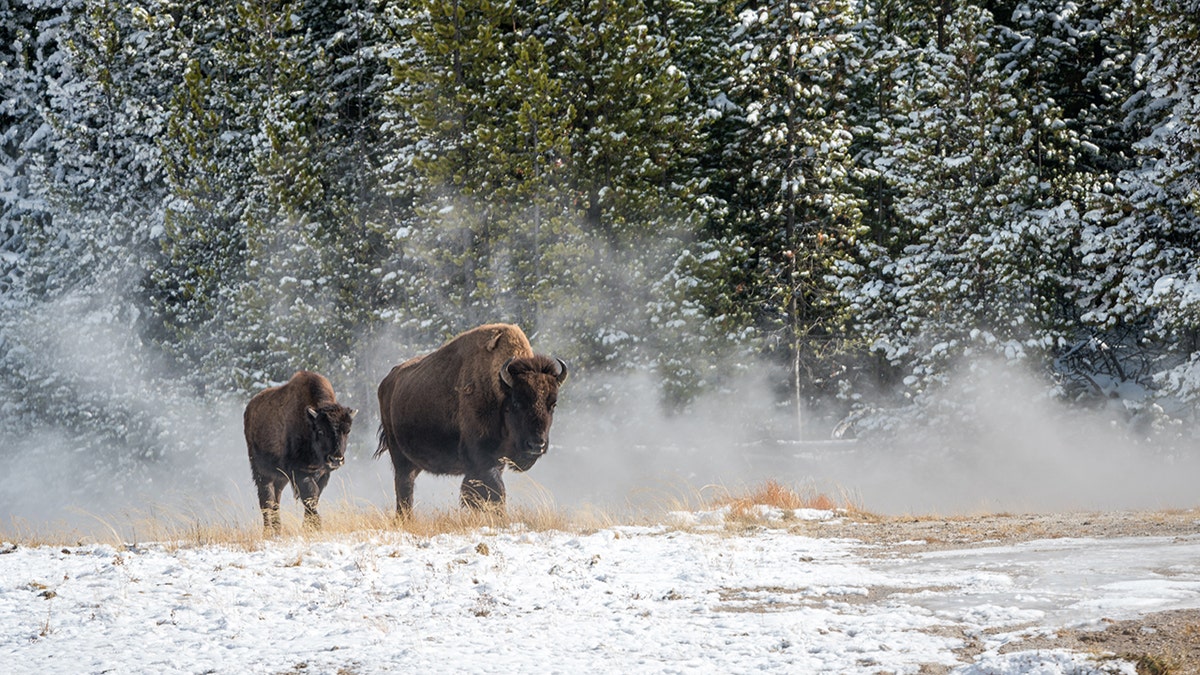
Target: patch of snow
{"x": 634, "y": 599}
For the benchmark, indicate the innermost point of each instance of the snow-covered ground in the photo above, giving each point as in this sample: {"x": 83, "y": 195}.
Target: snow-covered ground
{"x": 696, "y": 598}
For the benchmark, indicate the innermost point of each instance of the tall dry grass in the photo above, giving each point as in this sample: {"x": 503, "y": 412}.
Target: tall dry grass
{"x": 228, "y": 525}
{"x": 772, "y": 493}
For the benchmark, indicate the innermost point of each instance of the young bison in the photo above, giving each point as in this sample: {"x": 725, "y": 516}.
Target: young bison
{"x": 295, "y": 433}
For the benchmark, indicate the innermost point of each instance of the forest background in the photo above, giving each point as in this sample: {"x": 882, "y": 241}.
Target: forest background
{"x": 851, "y": 202}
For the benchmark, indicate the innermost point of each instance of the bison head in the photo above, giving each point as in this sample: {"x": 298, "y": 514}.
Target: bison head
{"x": 330, "y": 424}
{"x": 531, "y": 387}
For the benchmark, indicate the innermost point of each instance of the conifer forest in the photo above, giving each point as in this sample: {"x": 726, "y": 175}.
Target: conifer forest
{"x": 853, "y": 202}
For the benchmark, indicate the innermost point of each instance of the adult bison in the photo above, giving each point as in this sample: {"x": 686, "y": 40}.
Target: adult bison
{"x": 480, "y": 402}
{"x": 295, "y": 433}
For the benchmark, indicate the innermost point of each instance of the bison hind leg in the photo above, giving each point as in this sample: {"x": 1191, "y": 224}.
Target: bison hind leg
{"x": 404, "y": 475}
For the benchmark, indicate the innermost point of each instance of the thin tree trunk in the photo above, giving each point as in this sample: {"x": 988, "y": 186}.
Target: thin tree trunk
{"x": 793, "y": 308}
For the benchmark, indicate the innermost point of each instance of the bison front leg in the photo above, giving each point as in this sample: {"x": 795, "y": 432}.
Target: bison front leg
{"x": 310, "y": 487}
{"x": 483, "y": 489}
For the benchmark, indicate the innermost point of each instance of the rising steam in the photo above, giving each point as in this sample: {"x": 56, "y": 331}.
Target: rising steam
{"x": 1021, "y": 451}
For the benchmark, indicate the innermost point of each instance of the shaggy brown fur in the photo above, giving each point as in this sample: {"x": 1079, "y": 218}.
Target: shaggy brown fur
{"x": 295, "y": 433}
{"x": 481, "y": 401}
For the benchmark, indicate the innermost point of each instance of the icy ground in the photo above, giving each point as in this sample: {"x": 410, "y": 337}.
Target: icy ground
{"x": 688, "y": 596}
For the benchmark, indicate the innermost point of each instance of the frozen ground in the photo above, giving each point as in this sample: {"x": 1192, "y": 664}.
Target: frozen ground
{"x": 798, "y": 592}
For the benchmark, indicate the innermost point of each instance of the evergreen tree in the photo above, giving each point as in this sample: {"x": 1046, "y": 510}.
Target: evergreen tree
{"x": 890, "y": 35}
{"x": 551, "y": 157}
{"x": 1081, "y": 58}
{"x": 468, "y": 156}
{"x": 1142, "y": 232}
{"x": 278, "y": 229}
{"x": 631, "y": 170}
{"x": 978, "y": 151}
{"x": 207, "y": 155}
{"x": 73, "y": 361}
{"x": 24, "y": 65}
{"x": 315, "y": 242}
{"x": 800, "y": 209}
{"x": 702, "y": 329}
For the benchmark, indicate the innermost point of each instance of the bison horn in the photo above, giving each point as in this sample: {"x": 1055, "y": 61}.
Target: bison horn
{"x": 505, "y": 376}
{"x": 561, "y": 373}
{"x": 312, "y": 412}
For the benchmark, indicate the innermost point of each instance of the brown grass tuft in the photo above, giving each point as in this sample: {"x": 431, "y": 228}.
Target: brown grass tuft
{"x": 774, "y": 494}
{"x": 1147, "y": 664}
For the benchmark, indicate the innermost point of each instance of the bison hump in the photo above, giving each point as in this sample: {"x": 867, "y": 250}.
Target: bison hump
{"x": 500, "y": 338}
{"x": 467, "y": 368}
{"x": 313, "y": 389}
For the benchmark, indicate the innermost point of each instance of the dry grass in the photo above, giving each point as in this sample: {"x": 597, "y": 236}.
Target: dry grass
{"x": 228, "y": 526}
{"x": 1147, "y": 664}
{"x": 174, "y": 530}
{"x": 777, "y": 495}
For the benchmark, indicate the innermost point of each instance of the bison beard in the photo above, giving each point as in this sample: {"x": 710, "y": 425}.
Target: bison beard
{"x": 295, "y": 433}
{"x": 482, "y": 401}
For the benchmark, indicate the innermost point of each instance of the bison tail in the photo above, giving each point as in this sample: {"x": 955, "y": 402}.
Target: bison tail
{"x": 383, "y": 444}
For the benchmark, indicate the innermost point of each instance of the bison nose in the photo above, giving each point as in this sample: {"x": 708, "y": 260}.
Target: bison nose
{"x": 536, "y": 447}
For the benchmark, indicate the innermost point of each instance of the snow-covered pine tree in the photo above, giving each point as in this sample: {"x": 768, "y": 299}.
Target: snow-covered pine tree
{"x": 75, "y": 366}
{"x": 316, "y": 238}
{"x": 702, "y": 331}
{"x": 24, "y": 66}
{"x": 448, "y": 60}
{"x": 631, "y": 170}
{"x": 29, "y": 56}
{"x": 91, "y": 163}
{"x": 1081, "y": 57}
{"x": 528, "y": 150}
{"x": 977, "y": 149}
{"x": 207, "y": 154}
{"x": 890, "y": 33}
{"x": 551, "y": 158}
{"x": 1141, "y": 237}
{"x": 276, "y": 231}
{"x": 799, "y": 207}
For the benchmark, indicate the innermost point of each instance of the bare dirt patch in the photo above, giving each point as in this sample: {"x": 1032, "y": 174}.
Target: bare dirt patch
{"x": 930, "y": 533}
{"x": 1162, "y": 642}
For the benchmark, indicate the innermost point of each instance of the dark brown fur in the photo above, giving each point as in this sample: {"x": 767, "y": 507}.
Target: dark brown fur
{"x": 295, "y": 433}
{"x": 451, "y": 412}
